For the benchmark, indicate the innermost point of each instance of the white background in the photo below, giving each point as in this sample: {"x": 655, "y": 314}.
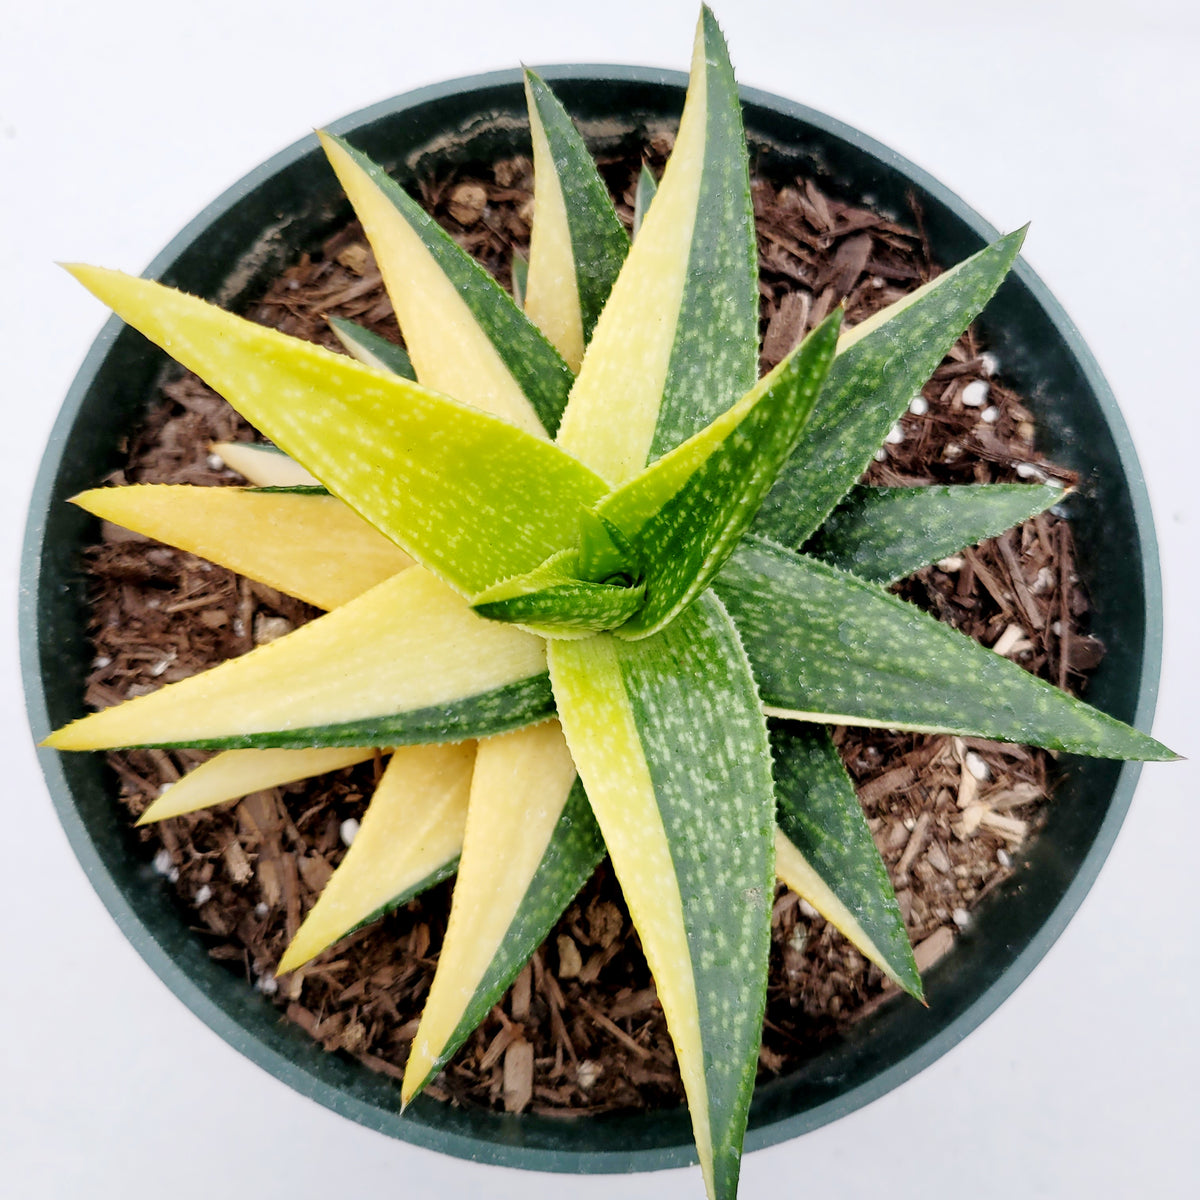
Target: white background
{"x": 120, "y": 120}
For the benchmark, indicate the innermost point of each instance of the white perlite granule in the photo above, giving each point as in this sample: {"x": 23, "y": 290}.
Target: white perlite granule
{"x": 975, "y": 394}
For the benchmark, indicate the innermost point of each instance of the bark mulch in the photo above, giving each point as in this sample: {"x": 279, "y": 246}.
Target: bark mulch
{"x": 581, "y": 1030}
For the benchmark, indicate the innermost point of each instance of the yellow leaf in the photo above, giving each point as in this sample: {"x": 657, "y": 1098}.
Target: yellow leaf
{"x": 312, "y": 547}
{"x": 411, "y": 831}
{"x": 236, "y": 773}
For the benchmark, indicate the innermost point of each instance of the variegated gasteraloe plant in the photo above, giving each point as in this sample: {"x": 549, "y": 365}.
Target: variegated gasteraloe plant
{"x": 560, "y": 549}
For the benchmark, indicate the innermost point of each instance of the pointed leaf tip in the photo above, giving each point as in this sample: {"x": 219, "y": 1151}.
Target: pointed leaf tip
{"x": 881, "y": 363}
{"x": 678, "y": 337}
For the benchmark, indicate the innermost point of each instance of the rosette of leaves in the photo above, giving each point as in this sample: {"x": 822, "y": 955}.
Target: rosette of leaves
{"x": 593, "y": 584}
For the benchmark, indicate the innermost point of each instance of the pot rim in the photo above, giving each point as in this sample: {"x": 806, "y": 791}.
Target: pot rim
{"x": 159, "y": 957}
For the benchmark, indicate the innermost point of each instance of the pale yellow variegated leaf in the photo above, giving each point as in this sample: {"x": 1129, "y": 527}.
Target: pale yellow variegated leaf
{"x": 263, "y": 466}
{"x": 520, "y": 785}
{"x": 551, "y": 287}
{"x": 410, "y": 646}
{"x": 411, "y": 834}
{"x": 312, "y": 547}
{"x": 450, "y": 352}
{"x": 236, "y": 773}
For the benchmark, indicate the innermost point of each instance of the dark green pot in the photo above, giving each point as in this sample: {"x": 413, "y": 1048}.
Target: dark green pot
{"x": 289, "y": 204}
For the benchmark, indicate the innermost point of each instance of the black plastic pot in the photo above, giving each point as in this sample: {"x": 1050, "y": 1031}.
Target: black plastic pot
{"x": 289, "y": 204}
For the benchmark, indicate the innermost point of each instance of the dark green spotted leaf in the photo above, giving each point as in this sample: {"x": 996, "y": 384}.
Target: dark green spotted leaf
{"x": 372, "y": 350}
{"x": 829, "y": 647}
{"x": 671, "y": 745}
{"x": 554, "y": 601}
{"x": 685, "y": 513}
{"x": 880, "y": 366}
{"x": 830, "y": 857}
{"x": 289, "y": 489}
{"x": 597, "y": 239}
{"x": 883, "y": 534}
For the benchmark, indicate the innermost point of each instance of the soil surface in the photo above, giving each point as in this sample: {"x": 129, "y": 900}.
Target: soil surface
{"x": 581, "y": 1029}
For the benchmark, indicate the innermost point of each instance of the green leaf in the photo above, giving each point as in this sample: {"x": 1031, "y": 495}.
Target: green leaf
{"x": 410, "y": 838}
{"x": 578, "y": 242}
{"x": 604, "y": 551}
{"x": 465, "y": 335}
{"x": 686, "y": 512}
{"x": 520, "y": 278}
{"x": 468, "y": 495}
{"x": 829, "y": 647}
{"x": 647, "y": 188}
{"x": 672, "y": 749}
{"x": 372, "y": 350}
{"x": 825, "y": 852}
{"x": 880, "y": 364}
{"x": 302, "y": 542}
{"x": 530, "y": 844}
{"x": 884, "y": 534}
{"x": 554, "y": 601}
{"x": 405, "y": 662}
{"x": 678, "y": 340}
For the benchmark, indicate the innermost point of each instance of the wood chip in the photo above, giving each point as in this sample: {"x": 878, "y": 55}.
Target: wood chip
{"x": 897, "y": 780}
{"x": 614, "y": 1029}
{"x": 236, "y": 861}
{"x": 989, "y": 581}
{"x": 498, "y": 1046}
{"x": 634, "y": 1004}
{"x": 518, "y": 1076}
{"x": 968, "y": 788}
{"x": 356, "y": 258}
{"x": 1016, "y": 796}
{"x": 1029, "y": 606}
{"x": 971, "y": 819}
{"x": 1012, "y": 828}
{"x": 315, "y": 871}
{"x": 916, "y": 844}
{"x": 570, "y": 961}
{"x": 933, "y": 948}
{"x": 467, "y": 203}
{"x": 604, "y": 922}
{"x": 938, "y": 858}
{"x": 1008, "y": 641}
{"x": 269, "y": 881}
{"x": 786, "y": 327}
{"x": 521, "y": 991}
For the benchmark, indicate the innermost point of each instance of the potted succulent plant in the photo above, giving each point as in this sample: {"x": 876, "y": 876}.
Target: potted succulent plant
{"x": 575, "y": 594}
